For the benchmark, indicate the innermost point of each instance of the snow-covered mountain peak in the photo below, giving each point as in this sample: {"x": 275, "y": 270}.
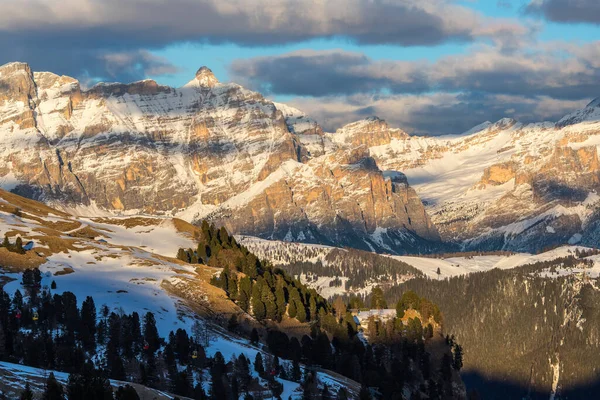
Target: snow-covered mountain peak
{"x": 12, "y": 67}
{"x": 370, "y": 131}
{"x": 594, "y": 103}
{"x": 204, "y": 78}
{"x": 591, "y": 113}
{"x": 477, "y": 128}
{"x": 504, "y": 123}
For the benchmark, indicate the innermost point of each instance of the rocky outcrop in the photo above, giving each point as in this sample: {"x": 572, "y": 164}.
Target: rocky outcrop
{"x": 341, "y": 198}
{"x": 498, "y": 174}
{"x": 506, "y": 185}
{"x": 369, "y": 132}
{"x": 206, "y": 149}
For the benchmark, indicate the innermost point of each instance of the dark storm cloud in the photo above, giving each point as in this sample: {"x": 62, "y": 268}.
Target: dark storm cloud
{"x": 70, "y": 36}
{"x": 562, "y": 71}
{"x": 323, "y": 73}
{"x": 587, "y": 11}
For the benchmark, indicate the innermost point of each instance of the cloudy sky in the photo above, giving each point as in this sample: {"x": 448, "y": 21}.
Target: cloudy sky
{"x": 429, "y": 66}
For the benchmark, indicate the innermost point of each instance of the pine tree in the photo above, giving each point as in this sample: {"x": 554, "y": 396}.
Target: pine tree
{"x": 182, "y": 255}
{"x": 342, "y": 394}
{"x": 27, "y": 279}
{"x": 244, "y": 293}
{"x": 268, "y": 299}
{"x": 300, "y": 312}
{"x": 458, "y": 357}
{"x": 224, "y": 237}
{"x": 26, "y": 394}
{"x": 340, "y": 307}
{"x": 19, "y": 246}
{"x": 70, "y": 314}
{"x": 37, "y": 276}
{"x": 126, "y": 392}
{"x": 89, "y": 384}
{"x": 254, "y": 336}
{"x": 202, "y": 254}
{"x": 232, "y": 286}
{"x": 224, "y": 279}
{"x": 258, "y": 364}
{"x": 205, "y": 229}
{"x": 53, "y": 285}
{"x": 181, "y": 384}
{"x": 217, "y": 388}
{"x": 296, "y": 372}
{"x": 312, "y": 308}
{"x": 364, "y": 393}
{"x": 182, "y": 346}
{"x": 251, "y": 266}
{"x": 87, "y": 331}
{"x": 258, "y": 307}
{"x": 292, "y": 312}
{"x": 242, "y": 371}
{"x": 151, "y": 333}
{"x": 280, "y": 301}
{"x": 377, "y": 299}
{"x": 18, "y": 300}
{"x": 114, "y": 362}
{"x": 53, "y": 389}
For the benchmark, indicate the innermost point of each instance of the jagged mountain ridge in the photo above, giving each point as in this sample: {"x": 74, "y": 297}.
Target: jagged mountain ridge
{"x": 503, "y": 185}
{"x": 205, "y": 150}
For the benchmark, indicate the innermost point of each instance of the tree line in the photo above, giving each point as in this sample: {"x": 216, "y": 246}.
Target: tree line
{"x": 335, "y": 343}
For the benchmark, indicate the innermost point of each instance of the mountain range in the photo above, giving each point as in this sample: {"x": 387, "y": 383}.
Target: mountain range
{"x": 216, "y": 151}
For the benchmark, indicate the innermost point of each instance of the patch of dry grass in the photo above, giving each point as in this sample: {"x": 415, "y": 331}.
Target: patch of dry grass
{"x": 64, "y": 271}
{"x": 129, "y": 222}
{"x": 87, "y": 232}
{"x": 13, "y": 262}
{"x": 27, "y": 205}
{"x": 185, "y": 227}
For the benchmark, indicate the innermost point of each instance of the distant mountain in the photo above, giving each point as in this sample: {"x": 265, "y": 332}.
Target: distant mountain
{"x": 205, "y": 150}
{"x": 221, "y": 152}
{"x": 503, "y": 185}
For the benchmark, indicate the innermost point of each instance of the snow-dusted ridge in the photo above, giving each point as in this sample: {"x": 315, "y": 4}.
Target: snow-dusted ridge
{"x": 284, "y": 254}
{"x": 205, "y": 150}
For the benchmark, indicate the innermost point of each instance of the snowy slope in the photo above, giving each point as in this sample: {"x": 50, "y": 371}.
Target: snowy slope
{"x": 285, "y": 253}
{"x": 126, "y": 264}
{"x": 454, "y": 266}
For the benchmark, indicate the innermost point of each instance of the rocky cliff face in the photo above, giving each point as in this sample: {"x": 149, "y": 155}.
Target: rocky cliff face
{"x": 203, "y": 150}
{"x": 505, "y": 185}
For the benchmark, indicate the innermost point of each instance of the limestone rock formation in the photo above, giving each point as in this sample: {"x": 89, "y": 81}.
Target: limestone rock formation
{"x": 505, "y": 185}
{"x": 206, "y": 149}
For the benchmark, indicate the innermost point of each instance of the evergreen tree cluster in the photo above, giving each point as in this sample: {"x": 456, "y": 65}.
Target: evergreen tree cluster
{"x": 427, "y": 309}
{"x": 215, "y": 248}
{"x": 512, "y": 322}
{"x": 359, "y": 268}
{"x": 267, "y": 293}
{"x": 16, "y": 247}
{"x": 50, "y": 331}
